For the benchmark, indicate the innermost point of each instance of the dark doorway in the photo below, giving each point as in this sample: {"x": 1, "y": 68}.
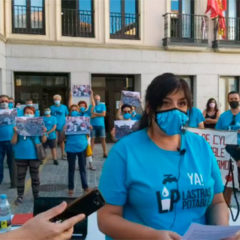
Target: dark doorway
{"x": 40, "y": 87}
{"x": 109, "y": 87}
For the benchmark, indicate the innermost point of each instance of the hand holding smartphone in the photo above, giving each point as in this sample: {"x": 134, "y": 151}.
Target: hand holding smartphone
{"x": 86, "y": 204}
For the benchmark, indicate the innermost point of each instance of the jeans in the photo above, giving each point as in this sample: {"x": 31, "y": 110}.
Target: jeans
{"x": 6, "y": 148}
{"x": 71, "y": 157}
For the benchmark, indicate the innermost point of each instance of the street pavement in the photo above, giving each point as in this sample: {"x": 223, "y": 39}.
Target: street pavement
{"x": 53, "y": 179}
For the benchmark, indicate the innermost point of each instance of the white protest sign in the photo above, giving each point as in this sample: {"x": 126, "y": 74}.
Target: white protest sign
{"x": 218, "y": 140}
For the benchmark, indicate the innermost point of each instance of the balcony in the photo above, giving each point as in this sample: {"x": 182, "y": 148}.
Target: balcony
{"x": 124, "y": 26}
{"x": 232, "y": 39}
{"x": 77, "y": 23}
{"x": 28, "y": 20}
{"x": 185, "y": 30}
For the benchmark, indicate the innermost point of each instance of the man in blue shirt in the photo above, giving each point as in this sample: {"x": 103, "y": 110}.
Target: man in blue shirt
{"x": 97, "y": 122}
{"x": 60, "y": 111}
{"x": 196, "y": 119}
{"x": 6, "y": 133}
{"x": 50, "y": 123}
{"x": 230, "y": 120}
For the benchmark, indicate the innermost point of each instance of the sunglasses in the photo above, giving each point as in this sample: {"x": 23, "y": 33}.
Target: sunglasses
{"x": 126, "y": 111}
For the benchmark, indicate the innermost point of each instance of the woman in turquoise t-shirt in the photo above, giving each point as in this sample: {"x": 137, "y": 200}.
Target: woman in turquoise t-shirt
{"x": 26, "y": 157}
{"x": 76, "y": 145}
{"x": 160, "y": 179}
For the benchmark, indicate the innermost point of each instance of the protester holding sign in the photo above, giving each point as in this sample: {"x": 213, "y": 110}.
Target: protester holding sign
{"x": 51, "y": 124}
{"x": 76, "y": 145}
{"x": 60, "y": 111}
{"x": 230, "y": 120}
{"x": 160, "y": 179}
{"x": 6, "y": 133}
{"x": 26, "y": 157}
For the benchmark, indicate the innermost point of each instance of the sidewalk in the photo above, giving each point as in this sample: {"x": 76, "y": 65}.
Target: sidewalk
{"x": 53, "y": 181}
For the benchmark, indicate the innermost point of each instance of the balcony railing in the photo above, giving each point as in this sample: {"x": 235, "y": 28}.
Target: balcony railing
{"x": 124, "y": 26}
{"x": 28, "y": 20}
{"x": 185, "y": 29}
{"x": 77, "y": 23}
{"x": 232, "y": 34}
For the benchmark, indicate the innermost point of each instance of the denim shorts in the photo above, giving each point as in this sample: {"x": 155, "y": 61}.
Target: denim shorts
{"x": 98, "y": 131}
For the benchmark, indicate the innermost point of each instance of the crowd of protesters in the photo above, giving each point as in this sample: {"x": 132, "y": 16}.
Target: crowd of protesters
{"x": 128, "y": 181}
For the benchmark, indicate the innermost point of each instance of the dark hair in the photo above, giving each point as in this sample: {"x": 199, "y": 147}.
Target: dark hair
{"x": 233, "y": 92}
{"x": 125, "y": 106}
{"x": 160, "y": 87}
{"x": 4, "y": 96}
{"x": 82, "y": 102}
{"x": 29, "y": 107}
{"x": 72, "y": 106}
{"x": 209, "y": 101}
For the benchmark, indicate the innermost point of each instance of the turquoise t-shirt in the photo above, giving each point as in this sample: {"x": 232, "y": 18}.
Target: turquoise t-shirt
{"x": 49, "y": 123}
{"x": 136, "y": 117}
{"x": 76, "y": 143}
{"x": 98, "y": 121}
{"x": 60, "y": 112}
{"x": 165, "y": 190}
{"x": 6, "y": 132}
{"x": 195, "y": 117}
{"x": 227, "y": 121}
{"x": 86, "y": 113}
{"x": 25, "y": 148}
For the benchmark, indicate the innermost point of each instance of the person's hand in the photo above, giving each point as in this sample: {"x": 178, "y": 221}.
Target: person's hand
{"x": 167, "y": 235}
{"x": 15, "y": 129}
{"x": 236, "y": 237}
{"x": 40, "y": 228}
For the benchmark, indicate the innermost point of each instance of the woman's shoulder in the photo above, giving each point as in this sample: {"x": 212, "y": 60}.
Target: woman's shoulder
{"x": 194, "y": 138}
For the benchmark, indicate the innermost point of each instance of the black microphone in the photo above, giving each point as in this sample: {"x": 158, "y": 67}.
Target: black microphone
{"x": 181, "y": 151}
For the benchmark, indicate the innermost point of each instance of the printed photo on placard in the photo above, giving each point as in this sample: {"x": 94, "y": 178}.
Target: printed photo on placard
{"x": 30, "y": 126}
{"x": 77, "y": 125}
{"x": 22, "y": 106}
{"x": 131, "y": 98}
{"x": 123, "y": 127}
{"x": 7, "y": 116}
{"x": 81, "y": 90}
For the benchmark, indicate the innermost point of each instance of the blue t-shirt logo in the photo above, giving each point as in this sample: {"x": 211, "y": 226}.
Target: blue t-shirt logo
{"x": 169, "y": 194}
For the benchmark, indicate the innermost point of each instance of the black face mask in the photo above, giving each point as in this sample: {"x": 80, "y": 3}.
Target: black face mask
{"x": 234, "y": 104}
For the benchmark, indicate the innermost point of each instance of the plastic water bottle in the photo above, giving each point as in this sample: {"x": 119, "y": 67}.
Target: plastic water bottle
{"x": 5, "y": 214}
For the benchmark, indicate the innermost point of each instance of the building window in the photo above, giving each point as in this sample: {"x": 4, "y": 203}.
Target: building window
{"x": 28, "y": 16}
{"x": 77, "y": 18}
{"x": 182, "y": 25}
{"x": 124, "y": 19}
{"x": 226, "y": 85}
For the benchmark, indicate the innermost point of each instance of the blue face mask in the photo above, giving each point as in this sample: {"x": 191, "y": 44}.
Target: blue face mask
{"x": 10, "y": 105}
{"x": 74, "y": 113}
{"x": 57, "y": 102}
{"x": 133, "y": 113}
{"x": 127, "y": 116}
{"x": 171, "y": 121}
{"x": 82, "y": 109}
{"x": 47, "y": 112}
{"x": 28, "y": 115}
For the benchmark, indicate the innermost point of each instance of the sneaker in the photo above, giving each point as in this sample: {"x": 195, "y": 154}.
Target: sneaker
{"x": 55, "y": 162}
{"x": 70, "y": 193}
{"x": 64, "y": 157}
{"x": 87, "y": 190}
{"x": 92, "y": 168}
{"x": 18, "y": 201}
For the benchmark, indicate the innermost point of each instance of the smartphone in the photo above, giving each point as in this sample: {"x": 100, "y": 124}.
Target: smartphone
{"x": 86, "y": 204}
